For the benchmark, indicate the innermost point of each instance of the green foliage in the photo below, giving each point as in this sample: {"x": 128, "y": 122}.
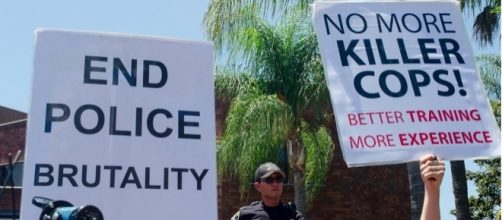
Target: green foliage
{"x": 489, "y": 67}
{"x": 486, "y": 23}
{"x": 486, "y": 204}
{"x": 278, "y": 95}
{"x": 496, "y": 110}
{"x": 254, "y": 133}
{"x": 230, "y": 82}
{"x": 319, "y": 154}
{"x": 285, "y": 58}
{"x": 226, "y": 17}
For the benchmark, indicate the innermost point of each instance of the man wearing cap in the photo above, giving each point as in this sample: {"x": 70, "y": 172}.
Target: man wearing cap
{"x": 268, "y": 180}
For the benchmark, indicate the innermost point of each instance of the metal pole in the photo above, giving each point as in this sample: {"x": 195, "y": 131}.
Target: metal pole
{"x": 9, "y": 178}
{"x": 13, "y": 193}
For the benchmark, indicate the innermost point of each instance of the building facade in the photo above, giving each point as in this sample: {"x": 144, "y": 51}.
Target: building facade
{"x": 12, "y": 143}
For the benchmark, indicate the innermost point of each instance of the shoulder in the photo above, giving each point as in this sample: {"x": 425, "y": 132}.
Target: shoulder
{"x": 249, "y": 211}
{"x": 254, "y": 206}
{"x": 236, "y": 216}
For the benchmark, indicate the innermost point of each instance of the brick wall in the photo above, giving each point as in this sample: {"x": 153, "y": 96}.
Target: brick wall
{"x": 12, "y": 139}
{"x": 380, "y": 192}
{"x": 6, "y": 200}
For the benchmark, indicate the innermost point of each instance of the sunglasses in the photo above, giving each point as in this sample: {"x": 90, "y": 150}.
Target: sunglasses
{"x": 270, "y": 180}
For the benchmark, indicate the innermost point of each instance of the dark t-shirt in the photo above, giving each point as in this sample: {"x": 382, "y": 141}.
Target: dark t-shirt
{"x": 258, "y": 211}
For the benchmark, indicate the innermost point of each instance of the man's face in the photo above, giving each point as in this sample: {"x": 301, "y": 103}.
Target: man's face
{"x": 270, "y": 187}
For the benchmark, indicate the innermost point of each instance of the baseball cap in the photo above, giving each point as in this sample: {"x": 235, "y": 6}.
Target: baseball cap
{"x": 267, "y": 169}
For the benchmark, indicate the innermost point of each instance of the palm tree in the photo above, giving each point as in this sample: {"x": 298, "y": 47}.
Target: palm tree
{"x": 278, "y": 106}
{"x": 225, "y": 20}
{"x": 485, "y": 28}
{"x": 490, "y": 73}
{"x": 486, "y": 23}
{"x": 486, "y": 202}
{"x": 489, "y": 66}
{"x": 459, "y": 180}
{"x": 225, "y": 17}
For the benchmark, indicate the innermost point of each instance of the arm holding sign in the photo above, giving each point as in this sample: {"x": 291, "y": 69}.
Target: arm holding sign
{"x": 432, "y": 172}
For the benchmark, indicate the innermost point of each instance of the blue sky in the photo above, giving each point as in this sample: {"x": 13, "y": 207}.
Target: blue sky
{"x": 166, "y": 18}
{"x": 19, "y": 19}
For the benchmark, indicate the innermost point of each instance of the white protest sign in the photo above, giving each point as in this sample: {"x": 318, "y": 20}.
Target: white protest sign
{"x": 403, "y": 82}
{"x": 122, "y": 125}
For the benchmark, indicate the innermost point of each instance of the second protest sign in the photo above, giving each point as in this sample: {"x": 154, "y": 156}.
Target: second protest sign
{"x": 403, "y": 82}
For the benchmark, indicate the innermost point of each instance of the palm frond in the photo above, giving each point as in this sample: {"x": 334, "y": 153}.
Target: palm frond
{"x": 470, "y": 5}
{"x": 314, "y": 95}
{"x": 255, "y": 131}
{"x": 287, "y": 87}
{"x": 231, "y": 81}
{"x": 496, "y": 110}
{"x": 489, "y": 67}
{"x": 225, "y": 16}
{"x": 280, "y": 55}
{"x": 486, "y": 23}
{"x": 319, "y": 149}
{"x": 486, "y": 26}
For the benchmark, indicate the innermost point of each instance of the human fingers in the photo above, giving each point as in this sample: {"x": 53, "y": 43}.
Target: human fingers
{"x": 428, "y": 157}
{"x": 432, "y": 169}
{"x": 435, "y": 176}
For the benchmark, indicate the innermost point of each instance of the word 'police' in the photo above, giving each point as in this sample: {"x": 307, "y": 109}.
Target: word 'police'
{"x": 59, "y": 112}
